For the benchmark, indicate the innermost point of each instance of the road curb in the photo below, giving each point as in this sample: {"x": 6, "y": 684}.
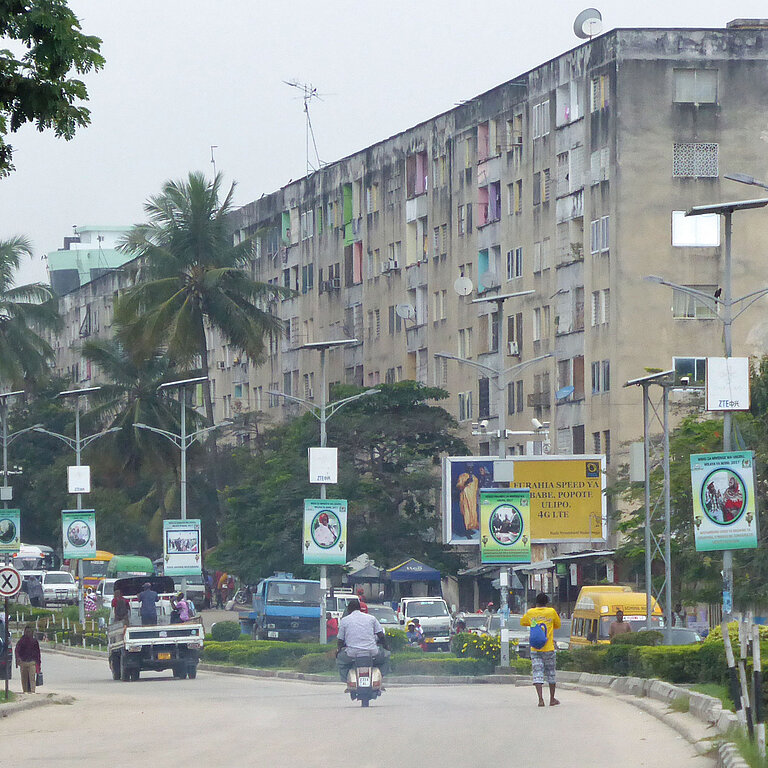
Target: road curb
{"x": 728, "y": 756}
{"x": 6, "y": 710}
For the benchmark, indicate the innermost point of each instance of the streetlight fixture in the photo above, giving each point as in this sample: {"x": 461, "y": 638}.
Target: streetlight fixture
{"x": 744, "y": 178}
{"x": 183, "y": 441}
{"x": 727, "y": 302}
{"x": 323, "y": 411}
{"x": 77, "y": 444}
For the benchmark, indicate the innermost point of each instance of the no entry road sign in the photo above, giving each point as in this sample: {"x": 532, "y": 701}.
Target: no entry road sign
{"x": 10, "y": 581}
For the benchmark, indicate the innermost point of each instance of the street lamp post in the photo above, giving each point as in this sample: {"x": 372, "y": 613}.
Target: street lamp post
{"x": 182, "y": 441}
{"x": 726, "y": 210}
{"x": 498, "y": 374}
{"x": 77, "y": 445}
{"x": 322, "y": 412}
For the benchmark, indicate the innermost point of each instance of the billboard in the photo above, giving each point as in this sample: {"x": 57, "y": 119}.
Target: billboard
{"x": 727, "y": 384}
{"x": 567, "y": 496}
{"x": 78, "y": 533}
{"x": 505, "y": 535}
{"x": 181, "y": 548}
{"x": 10, "y": 531}
{"x": 324, "y": 540}
{"x": 724, "y": 510}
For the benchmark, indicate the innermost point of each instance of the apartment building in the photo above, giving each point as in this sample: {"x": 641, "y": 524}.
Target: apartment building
{"x": 561, "y": 189}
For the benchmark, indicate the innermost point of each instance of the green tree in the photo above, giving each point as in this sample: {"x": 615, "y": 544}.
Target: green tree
{"x": 192, "y": 275}
{"x": 389, "y": 448}
{"x": 36, "y": 87}
{"x": 25, "y": 357}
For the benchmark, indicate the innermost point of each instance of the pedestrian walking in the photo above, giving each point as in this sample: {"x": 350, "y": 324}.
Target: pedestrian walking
{"x": 28, "y": 659}
{"x": 543, "y": 658}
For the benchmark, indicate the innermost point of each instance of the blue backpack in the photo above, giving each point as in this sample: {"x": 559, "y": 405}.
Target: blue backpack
{"x": 538, "y": 636}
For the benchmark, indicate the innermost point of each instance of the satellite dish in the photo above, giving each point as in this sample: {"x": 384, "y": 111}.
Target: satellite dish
{"x": 588, "y": 24}
{"x": 463, "y": 286}
{"x": 406, "y": 311}
{"x": 564, "y": 393}
{"x": 489, "y": 280}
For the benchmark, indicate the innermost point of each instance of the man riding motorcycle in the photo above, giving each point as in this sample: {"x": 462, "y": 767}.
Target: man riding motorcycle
{"x": 360, "y": 634}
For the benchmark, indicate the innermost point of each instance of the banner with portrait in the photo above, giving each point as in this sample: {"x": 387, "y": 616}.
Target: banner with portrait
{"x": 78, "y": 533}
{"x": 10, "y": 531}
{"x": 505, "y": 525}
{"x": 181, "y": 548}
{"x": 724, "y": 508}
{"x": 324, "y": 540}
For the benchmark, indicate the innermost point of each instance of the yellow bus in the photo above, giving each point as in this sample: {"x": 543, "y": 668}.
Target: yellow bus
{"x": 91, "y": 570}
{"x": 596, "y": 608}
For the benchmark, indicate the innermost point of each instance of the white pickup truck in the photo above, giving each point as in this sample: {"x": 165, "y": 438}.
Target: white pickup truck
{"x": 132, "y": 647}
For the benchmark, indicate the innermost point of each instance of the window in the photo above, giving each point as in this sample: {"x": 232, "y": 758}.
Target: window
{"x": 484, "y": 398}
{"x": 599, "y": 235}
{"x": 541, "y": 119}
{"x": 537, "y": 324}
{"x": 438, "y": 305}
{"x": 519, "y": 395}
{"x": 515, "y": 329}
{"x": 443, "y": 239}
{"x": 598, "y": 165}
{"x": 695, "y": 231}
{"x": 601, "y": 377}
{"x": 578, "y": 308}
{"x": 536, "y": 188}
{"x": 606, "y": 375}
{"x": 695, "y": 86}
{"x": 601, "y": 307}
{"x": 515, "y": 197}
{"x": 511, "y": 410}
{"x": 693, "y": 367}
{"x": 685, "y": 305}
{"x": 599, "y": 93}
{"x": 607, "y": 446}
{"x": 545, "y": 185}
{"x": 372, "y": 198}
{"x": 465, "y": 343}
{"x": 514, "y": 263}
{"x": 595, "y": 442}
{"x": 435, "y": 242}
{"x": 695, "y": 160}
{"x": 465, "y": 406}
{"x": 469, "y": 218}
{"x": 416, "y": 174}
{"x": 578, "y": 439}
{"x": 307, "y": 224}
{"x": 462, "y": 221}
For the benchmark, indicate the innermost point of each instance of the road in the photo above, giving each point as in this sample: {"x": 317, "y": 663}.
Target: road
{"x": 221, "y": 720}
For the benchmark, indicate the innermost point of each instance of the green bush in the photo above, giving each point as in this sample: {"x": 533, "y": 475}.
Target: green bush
{"x": 28, "y": 612}
{"x": 409, "y": 664}
{"x": 259, "y": 653}
{"x": 675, "y": 664}
{"x": 317, "y": 662}
{"x": 397, "y": 639}
{"x": 474, "y": 646}
{"x": 653, "y": 637}
{"x": 225, "y": 631}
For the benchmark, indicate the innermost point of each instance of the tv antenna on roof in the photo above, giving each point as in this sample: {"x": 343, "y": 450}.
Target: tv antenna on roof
{"x": 308, "y": 92}
{"x": 588, "y": 24}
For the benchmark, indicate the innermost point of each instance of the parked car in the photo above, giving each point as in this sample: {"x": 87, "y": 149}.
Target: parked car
{"x": 678, "y": 636}
{"x": 59, "y": 587}
{"x": 385, "y": 614}
{"x": 105, "y": 592}
{"x": 474, "y": 622}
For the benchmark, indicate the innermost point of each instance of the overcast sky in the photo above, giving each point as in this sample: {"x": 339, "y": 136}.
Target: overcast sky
{"x": 181, "y": 76}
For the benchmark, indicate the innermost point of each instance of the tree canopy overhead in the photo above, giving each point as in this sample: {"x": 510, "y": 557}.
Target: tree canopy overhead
{"x": 35, "y": 82}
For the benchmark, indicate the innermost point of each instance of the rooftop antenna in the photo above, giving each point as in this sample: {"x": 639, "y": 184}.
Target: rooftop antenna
{"x": 213, "y": 159}
{"x": 308, "y": 92}
{"x": 588, "y": 24}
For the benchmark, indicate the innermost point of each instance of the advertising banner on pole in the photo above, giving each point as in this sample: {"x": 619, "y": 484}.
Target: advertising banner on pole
{"x": 727, "y": 384}
{"x": 567, "y": 496}
{"x": 724, "y": 509}
{"x": 10, "y": 531}
{"x": 181, "y": 548}
{"x": 325, "y": 531}
{"x": 505, "y": 525}
{"x": 78, "y": 533}
{"x": 324, "y": 465}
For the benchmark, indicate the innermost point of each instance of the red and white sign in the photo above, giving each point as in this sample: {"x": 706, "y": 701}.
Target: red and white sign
{"x": 10, "y": 581}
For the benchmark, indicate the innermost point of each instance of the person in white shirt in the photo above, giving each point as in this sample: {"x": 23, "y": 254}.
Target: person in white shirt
{"x": 360, "y": 634}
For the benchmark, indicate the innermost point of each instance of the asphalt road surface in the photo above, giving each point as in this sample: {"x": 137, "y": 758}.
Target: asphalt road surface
{"x": 223, "y": 720}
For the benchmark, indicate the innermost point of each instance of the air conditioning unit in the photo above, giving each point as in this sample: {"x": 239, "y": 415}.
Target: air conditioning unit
{"x": 385, "y": 267}
{"x": 222, "y": 365}
{"x": 513, "y": 349}
{"x": 334, "y": 284}
{"x": 393, "y": 264}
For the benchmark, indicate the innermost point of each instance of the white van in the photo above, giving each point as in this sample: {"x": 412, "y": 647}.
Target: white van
{"x": 434, "y": 619}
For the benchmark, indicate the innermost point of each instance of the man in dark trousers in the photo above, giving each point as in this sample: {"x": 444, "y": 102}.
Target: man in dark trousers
{"x": 147, "y": 605}
{"x": 28, "y": 659}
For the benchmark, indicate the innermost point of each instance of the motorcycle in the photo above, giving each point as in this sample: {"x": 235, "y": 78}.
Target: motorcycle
{"x": 364, "y": 681}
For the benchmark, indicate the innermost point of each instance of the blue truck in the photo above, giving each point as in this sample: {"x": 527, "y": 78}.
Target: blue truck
{"x": 284, "y": 608}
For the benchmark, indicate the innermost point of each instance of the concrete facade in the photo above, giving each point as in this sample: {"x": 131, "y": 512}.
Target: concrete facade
{"x": 559, "y": 185}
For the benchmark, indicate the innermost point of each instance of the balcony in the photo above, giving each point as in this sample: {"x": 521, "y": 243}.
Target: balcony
{"x": 571, "y": 207}
{"x": 416, "y": 337}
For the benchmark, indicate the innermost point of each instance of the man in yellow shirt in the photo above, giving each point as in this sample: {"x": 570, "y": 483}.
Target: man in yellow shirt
{"x": 543, "y": 659}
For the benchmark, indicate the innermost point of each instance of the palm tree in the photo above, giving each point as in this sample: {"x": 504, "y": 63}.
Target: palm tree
{"x": 131, "y": 396}
{"x": 191, "y": 275}
{"x": 25, "y": 310}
